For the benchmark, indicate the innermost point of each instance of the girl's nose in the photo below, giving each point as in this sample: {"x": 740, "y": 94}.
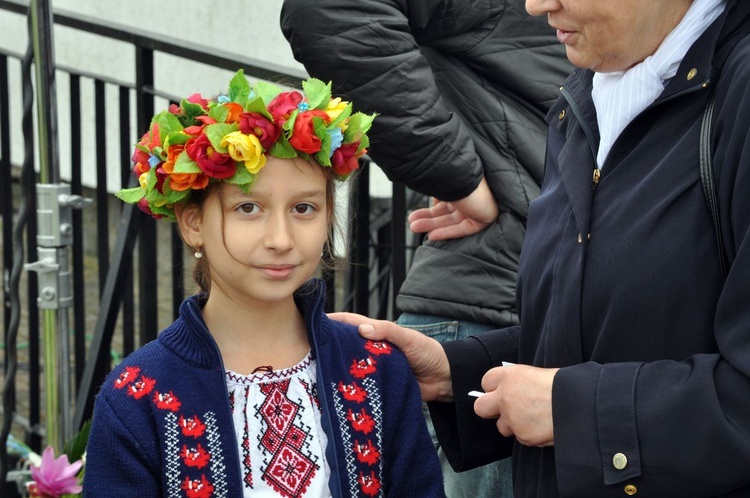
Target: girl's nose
{"x": 278, "y": 236}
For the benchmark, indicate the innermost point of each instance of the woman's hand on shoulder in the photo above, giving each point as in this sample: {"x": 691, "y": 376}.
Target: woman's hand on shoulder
{"x": 426, "y": 356}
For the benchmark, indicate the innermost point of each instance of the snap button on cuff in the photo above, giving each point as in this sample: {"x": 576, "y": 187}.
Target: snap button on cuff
{"x": 620, "y": 461}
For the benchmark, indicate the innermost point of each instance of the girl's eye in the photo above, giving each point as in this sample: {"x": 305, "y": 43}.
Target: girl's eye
{"x": 248, "y": 208}
{"x": 304, "y": 208}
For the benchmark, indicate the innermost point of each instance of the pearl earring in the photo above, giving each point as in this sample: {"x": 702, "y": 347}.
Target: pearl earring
{"x": 198, "y": 254}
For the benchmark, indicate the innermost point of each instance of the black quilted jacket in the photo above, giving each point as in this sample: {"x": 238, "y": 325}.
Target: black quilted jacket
{"x": 462, "y": 88}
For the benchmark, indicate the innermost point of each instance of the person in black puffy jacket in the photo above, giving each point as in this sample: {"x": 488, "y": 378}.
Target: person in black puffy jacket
{"x": 461, "y": 88}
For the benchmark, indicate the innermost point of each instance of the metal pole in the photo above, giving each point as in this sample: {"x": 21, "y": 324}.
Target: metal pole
{"x": 55, "y": 235}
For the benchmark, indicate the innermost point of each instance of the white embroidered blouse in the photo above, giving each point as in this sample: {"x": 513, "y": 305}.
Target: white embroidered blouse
{"x": 281, "y": 442}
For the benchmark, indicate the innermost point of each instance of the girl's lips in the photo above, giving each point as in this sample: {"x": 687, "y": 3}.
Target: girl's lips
{"x": 277, "y": 272}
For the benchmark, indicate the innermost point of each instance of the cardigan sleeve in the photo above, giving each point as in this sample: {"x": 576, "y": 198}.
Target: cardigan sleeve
{"x": 413, "y": 468}
{"x": 119, "y": 463}
{"x": 371, "y": 50}
{"x": 468, "y": 440}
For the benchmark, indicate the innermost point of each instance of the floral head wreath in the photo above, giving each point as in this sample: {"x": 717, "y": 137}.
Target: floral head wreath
{"x": 228, "y": 138}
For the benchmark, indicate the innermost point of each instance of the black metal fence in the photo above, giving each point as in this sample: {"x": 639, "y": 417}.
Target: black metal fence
{"x": 118, "y": 254}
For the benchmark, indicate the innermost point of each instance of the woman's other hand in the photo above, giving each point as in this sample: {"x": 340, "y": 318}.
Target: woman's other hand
{"x": 426, "y": 356}
{"x": 520, "y": 397}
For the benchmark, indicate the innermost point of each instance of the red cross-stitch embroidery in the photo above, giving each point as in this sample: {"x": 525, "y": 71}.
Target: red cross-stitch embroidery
{"x": 289, "y": 471}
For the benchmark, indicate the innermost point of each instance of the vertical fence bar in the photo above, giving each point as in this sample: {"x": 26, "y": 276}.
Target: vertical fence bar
{"x": 361, "y": 237}
{"x": 102, "y": 197}
{"x": 126, "y": 176}
{"x": 6, "y": 190}
{"x": 398, "y": 242}
{"x": 147, "y": 249}
{"x": 76, "y": 188}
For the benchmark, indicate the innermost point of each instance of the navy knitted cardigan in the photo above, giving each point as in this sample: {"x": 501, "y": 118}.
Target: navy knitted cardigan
{"x": 168, "y": 401}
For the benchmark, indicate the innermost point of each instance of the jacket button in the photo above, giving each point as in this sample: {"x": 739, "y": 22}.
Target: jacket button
{"x": 561, "y": 115}
{"x": 620, "y": 461}
{"x": 630, "y": 490}
{"x": 691, "y": 74}
{"x": 580, "y": 238}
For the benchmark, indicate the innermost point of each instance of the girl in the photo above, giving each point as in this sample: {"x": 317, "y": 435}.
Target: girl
{"x": 253, "y": 391}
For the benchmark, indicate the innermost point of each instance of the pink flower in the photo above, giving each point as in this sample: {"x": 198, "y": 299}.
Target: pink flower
{"x": 55, "y": 476}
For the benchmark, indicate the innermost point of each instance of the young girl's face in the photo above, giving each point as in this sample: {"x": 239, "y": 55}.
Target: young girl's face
{"x": 261, "y": 246}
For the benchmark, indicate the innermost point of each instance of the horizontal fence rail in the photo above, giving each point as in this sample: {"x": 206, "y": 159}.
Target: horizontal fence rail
{"x": 128, "y": 272}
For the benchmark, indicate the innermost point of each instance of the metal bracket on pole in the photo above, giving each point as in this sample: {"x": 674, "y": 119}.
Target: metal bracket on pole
{"x": 54, "y": 236}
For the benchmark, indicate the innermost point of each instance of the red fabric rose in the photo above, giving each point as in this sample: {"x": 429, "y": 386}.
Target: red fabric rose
{"x": 213, "y": 163}
{"x": 344, "y": 159}
{"x": 283, "y": 105}
{"x": 303, "y": 136}
{"x": 252, "y": 123}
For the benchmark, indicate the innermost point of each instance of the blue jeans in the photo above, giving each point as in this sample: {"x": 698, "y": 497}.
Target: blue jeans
{"x": 493, "y": 480}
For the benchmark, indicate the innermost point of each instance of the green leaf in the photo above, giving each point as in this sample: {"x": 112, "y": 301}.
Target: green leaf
{"x": 289, "y": 123}
{"x": 282, "y": 149}
{"x": 322, "y": 156}
{"x": 239, "y": 88}
{"x": 266, "y": 91}
{"x": 174, "y": 196}
{"x": 216, "y": 132}
{"x": 359, "y": 123}
{"x": 318, "y": 93}
{"x": 168, "y": 123}
{"x": 219, "y": 113}
{"x": 242, "y": 176}
{"x": 131, "y": 195}
{"x": 176, "y": 138}
{"x": 76, "y": 446}
{"x": 257, "y": 105}
{"x": 184, "y": 164}
{"x": 190, "y": 110}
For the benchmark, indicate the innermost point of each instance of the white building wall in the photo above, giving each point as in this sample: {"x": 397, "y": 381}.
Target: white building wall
{"x": 248, "y": 28}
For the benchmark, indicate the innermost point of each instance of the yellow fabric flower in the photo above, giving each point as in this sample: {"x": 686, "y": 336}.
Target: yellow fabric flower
{"x": 335, "y": 107}
{"x": 143, "y": 180}
{"x": 246, "y": 149}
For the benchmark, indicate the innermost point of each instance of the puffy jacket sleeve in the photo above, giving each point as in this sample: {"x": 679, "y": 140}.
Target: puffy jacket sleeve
{"x": 370, "y": 49}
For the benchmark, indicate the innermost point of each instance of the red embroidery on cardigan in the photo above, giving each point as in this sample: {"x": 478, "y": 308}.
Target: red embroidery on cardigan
{"x": 361, "y": 421}
{"x": 140, "y": 388}
{"x": 370, "y": 484}
{"x": 378, "y": 347}
{"x": 167, "y": 401}
{"x": 352, "y": 392}
{"x": 197, "y": 489}
{"x": 126, "y": 377}
{"x": 366, "y": 453}
{"x": 192, "y": 426}
{"x": 196, "y": 457}
{"x": 362, "y": 368}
